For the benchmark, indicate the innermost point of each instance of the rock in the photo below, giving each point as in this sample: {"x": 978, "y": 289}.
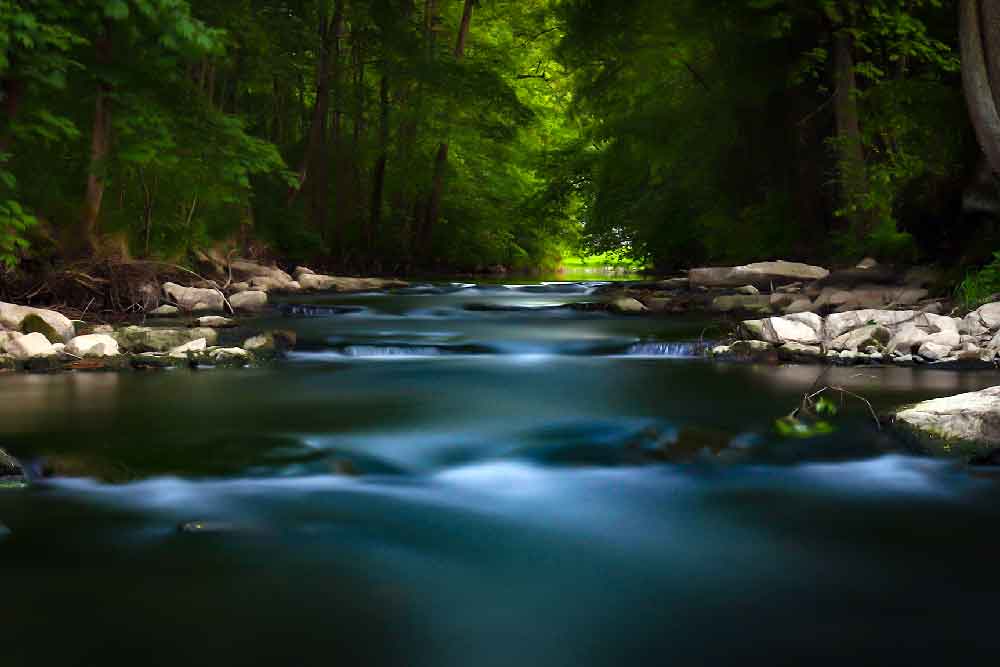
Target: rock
{"x": 31, "y": 346}
{"x": 814, "y": 321}
{"x": 234, "y": 357}
{"x": 964, "y": 422}
{"x": 319, "y": 282}
{"x": 627, "y": 306}
{"x": 302, "y": 270}
{"x": 195, "y": 299}
{"x": 33, "y": 323}
{"x": 199, "y": 345}
{"x": 244, "y": 268}
{"x": 761, "y": 274}
{"x": 658, "y": 305}
{"x": 236, "y": 288}
{"x": 904, "y": 359}
{"x": 6, "y": 337}
{"x": 740, "y": 302}
{"x": 149, "y": 339}
{"x": 800, "y": 306}
{"x": 748, "y": 290}
{"x": 780, "y": 301}
{"x": 751, "y": 349}
{"x": 797, "y": 352}
{"x": 721, "y": 351}
{"x": 165, "y": 311}
{"x": 675, "y": 284}
{"x": 93, "y": 345}
{"x": 989, "y": 315}
{"x": 58, "y": 325}
{"x": 934, "y": 351}
{"x": 249, "y": 301}
{"x": 216, "y": 322}
{"x": 781, "y": 330}
{"x": 870, "y": 336}
{"x": 840, "y": 323}
{"x": 949, "y": 339}
{"x": 867, "y": 263}
{"x": 271, "y": 342}
{"x": 907, "y": 339}
{"x": 268, "y": 283}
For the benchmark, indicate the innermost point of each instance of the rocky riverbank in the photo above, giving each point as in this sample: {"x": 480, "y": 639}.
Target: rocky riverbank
{"x": 197, "y": 325}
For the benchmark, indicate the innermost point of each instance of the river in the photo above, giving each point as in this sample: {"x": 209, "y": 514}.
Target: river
{"x": 477, "y": 476}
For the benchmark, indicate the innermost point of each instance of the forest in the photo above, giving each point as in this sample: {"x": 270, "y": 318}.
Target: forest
{"x": 398, "y": 136}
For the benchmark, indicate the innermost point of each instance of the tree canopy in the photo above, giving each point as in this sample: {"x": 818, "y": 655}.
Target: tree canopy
{"x": 398, "y": 135}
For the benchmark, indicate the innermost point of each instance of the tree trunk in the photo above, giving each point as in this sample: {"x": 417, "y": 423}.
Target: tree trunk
{"x": 979, "y": 94}
{"x": 100, "y": 147}
{"x": 851, "y": 158}
{"x": 441, "y": 159}
{"x": 378, "y": 179}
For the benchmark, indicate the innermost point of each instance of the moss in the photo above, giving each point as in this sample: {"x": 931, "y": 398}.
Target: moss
{"x": 35, "y": 324}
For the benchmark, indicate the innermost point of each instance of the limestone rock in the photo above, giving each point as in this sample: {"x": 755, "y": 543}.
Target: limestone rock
{"x": 93, "y": 345}
{"x": 781, "y": 330}
{"x": 989, "y": 315}
{"x": 194, "y": 299}
{"x": 13, "y": 316}
{"x": 165, "y": 311}
{"x": 798, "y": 352}
{"x": 199, "y": 345}
{"x": 246, "y": 269}
{"x": 761, "y": 274}
{"x": 324, "y": 283}
{"x": 934, "y": 351}
{"x": 972, "y": 418}
{"x": 748, "y": 290}
{"x": 235, "y": 357}
{"x": 249, "y": 301}
{"x": 800, "y": 306}
{"x": 148, "y": 339}
{"x": 6, "y": 337}
{"x": 870, "y": 336}
{"x": 907, "y": 339}
{"x": 31, "y": 346}
{"x": 216, "y": 322}
{"x": 627, "y": 305}
{"x": 738, "y": 302}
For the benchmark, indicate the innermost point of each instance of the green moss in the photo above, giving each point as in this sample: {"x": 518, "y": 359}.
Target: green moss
{"x": 35, "y": 324}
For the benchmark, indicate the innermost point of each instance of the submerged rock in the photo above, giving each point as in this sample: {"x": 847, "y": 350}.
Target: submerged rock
{"x": 216, "y": 322}
{"x": 965, "y": 424}
{"x": 149, "y": 339}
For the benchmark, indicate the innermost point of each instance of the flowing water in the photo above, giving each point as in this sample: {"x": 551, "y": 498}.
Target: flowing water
{"x": 470, "y": 476}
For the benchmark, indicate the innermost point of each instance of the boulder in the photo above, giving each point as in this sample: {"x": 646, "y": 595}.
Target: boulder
{"x": 867, "y": 263}
{"x": 950, "y": 339}
{"x": 742, "y": 302}
{"x": 301, "y": 271}
{"x": 270, "y": 344}
{"x": 30, "y": 346}
{"x": 199, "y": 345}
{"x": 840, "y": 323}
{"x": 781, "y": 330}
{"x": 874, "y": 335}
{"x": 6, "y": 337}
{"x": 908, "y": 339}
{"x": 216, "y": 322}
{"x": 268, "y": 283}
{"x": 148, "y": 339}
{"x": 165, "y": 311}
{"x": 195, "y": 299}
{"x": 802, "y": 305}
{"x": 234, "y": 357}
{"x": 760, "y": 274}
{"x": 934, "y": 351}
{"x": 797, "y": 352}
{"x": 57, "y": 325}
{"x": 244, "y": 268}
{"x": 93, "y": 345}
{"x": 748, "y": 290}
{"x": 249, "y": 301}
{"x": 963, "y": 423}
{"x": 627, "y": 306}
{"x": 310, "y": 281}
{"x": 752, "y": 349}
{"x": 813, "y": 320}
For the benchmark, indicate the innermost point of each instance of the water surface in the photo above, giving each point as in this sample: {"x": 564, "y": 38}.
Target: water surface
{"x": 478, "y": 475}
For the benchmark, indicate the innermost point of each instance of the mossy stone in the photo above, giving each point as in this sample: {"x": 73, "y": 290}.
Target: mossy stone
{"x": 35, "y": 324}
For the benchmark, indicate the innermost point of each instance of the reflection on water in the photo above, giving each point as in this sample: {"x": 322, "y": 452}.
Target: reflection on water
{"x": 531, "y": 488}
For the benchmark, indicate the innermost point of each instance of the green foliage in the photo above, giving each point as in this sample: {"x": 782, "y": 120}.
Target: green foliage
{"x": 980, "y": 285}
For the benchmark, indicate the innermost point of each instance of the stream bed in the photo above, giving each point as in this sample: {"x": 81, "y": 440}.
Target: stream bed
{"x": 479, "y": 475}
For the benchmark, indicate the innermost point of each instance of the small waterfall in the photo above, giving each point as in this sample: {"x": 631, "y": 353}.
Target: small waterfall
{"x": 673, "y": 350}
